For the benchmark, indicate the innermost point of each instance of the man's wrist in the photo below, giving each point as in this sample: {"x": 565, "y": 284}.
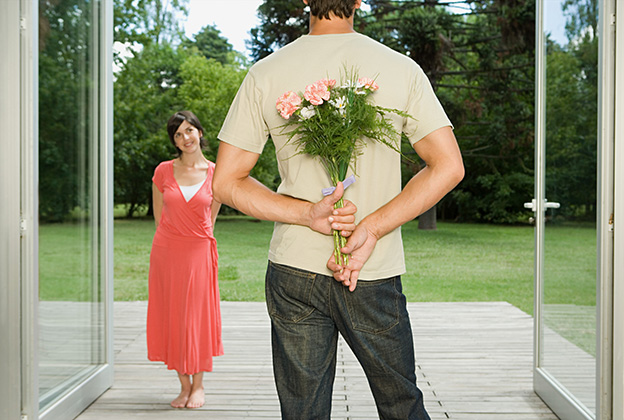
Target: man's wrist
{"x": 372, "y": 226}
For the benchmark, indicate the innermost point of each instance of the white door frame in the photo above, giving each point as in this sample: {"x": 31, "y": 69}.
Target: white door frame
{"x": 12, "y": 46}
{"x": 19, "y": 391}
{"x": 616, "y": 16}
{"x": 610, "y": 242}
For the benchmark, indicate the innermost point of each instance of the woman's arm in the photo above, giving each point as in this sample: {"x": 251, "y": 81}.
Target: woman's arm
{"x": 157, "y": 200}
{"x": 214, "y": 210}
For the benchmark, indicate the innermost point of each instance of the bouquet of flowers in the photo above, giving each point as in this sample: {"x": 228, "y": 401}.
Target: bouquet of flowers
{"x": 331, "y": 122}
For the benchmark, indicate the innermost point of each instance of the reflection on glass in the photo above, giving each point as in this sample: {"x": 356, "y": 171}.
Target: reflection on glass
{"x": 70, "y": 313}
{"x": 568, "y": 331}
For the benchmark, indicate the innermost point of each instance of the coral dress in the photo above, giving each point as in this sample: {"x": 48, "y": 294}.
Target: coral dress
{"x": 183, "y": 314}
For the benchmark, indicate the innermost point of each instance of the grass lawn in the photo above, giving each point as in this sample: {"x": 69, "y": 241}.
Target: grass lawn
{"x": 457, "y": 262}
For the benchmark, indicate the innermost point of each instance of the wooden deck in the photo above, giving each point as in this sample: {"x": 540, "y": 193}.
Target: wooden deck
{"x": 474, "y": 362}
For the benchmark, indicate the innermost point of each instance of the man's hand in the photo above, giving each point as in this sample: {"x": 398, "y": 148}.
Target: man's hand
{"x": 360, "y": 246}
{"x": 444, "y": 170}
{"x": 323, "y": 217}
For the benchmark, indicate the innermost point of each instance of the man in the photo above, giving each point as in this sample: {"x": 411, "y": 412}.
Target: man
{"x": 308, "y": 308}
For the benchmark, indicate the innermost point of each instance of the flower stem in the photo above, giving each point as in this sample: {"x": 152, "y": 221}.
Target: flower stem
{"x": 339, "y": 241}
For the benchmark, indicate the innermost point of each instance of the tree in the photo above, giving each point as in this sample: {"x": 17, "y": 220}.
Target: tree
{"x": 581, "y": 18}
{"x": 211, "y": 44}
{"x": 572, "y": 114}
{"x": 159, "y": 78}
{"x": 208, "y": 89}
{"x": 481, "y": 65}
{"x": 149, "y": 21}
{"x": 499, "y": 151}
{"x": 65, "y": 93}
{"x": 145, "y": 98}
{"x": 281, "y": 22}
{"x": 421, "y": 33}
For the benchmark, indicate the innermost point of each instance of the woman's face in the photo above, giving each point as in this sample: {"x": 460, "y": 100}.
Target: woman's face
{"x": 187, "y": 138}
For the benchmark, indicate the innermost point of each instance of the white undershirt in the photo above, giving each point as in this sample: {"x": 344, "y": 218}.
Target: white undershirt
{"x": 189, "y": 191}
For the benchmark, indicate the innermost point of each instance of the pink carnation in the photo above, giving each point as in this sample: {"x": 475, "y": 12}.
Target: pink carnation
{"x": 328, "y": 82}
{"x": 316, "y": 93}
{"x": 368, "y": 83}
{"x": 288, "y": 103}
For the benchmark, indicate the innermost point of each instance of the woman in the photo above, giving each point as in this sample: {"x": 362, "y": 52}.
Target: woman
{"x": 183, "y": 315}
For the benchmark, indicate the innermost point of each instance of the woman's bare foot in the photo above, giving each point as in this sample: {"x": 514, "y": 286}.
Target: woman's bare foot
{"x": 187, "y": 387}
{"x": 181, "y": 400}
{"x": 196, "y": 399}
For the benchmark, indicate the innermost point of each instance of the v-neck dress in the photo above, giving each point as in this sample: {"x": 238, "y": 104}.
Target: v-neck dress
{"x": 183, "y": 314}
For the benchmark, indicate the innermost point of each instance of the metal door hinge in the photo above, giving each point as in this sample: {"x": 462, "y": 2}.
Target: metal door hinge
{"x": 23, "y": 227}
{"x": 611, "y": 223}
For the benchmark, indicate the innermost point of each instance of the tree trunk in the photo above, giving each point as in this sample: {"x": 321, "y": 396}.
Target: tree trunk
{"x": 427, "y": 220}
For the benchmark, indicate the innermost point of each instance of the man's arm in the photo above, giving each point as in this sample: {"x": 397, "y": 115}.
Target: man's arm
{"x": 443, "y": 171}
{"x": 233, "y": 186}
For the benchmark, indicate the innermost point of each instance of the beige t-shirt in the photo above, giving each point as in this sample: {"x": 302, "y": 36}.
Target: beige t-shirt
{"x": 252, "y": 118}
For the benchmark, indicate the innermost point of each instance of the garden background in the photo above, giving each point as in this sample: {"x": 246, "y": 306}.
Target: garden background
{"x": 475, "y": 245}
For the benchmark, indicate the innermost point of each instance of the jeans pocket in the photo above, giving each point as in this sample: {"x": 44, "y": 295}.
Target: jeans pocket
{"x": 374, "y": 305}
{"x": 288, "y": 292}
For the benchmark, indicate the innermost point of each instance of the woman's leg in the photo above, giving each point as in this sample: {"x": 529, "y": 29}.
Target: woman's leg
{"x": 182, "y": 399}
{"x": 196, "y": 399}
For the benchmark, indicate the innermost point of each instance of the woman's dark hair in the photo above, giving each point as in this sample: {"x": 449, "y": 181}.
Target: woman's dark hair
{"x": 176, "y": 121}
{"x": 322, "y": 8}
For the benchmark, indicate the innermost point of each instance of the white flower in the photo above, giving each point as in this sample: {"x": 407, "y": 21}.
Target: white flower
{"x": 340, "y": 104}
{"x": 357, "y": 86}
{"x": 307, "y": 112}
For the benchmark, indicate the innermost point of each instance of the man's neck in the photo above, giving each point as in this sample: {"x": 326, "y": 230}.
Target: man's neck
{"x": 335, "y": 25}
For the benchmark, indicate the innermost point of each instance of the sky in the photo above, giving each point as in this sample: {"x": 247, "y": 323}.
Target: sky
{"x": 554, "y": 21}
{"x": 234, "y": 18}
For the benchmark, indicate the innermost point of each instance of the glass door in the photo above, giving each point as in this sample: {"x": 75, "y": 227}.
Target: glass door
{"x": 74, "y": 300}
{"x": 567, "y": 207}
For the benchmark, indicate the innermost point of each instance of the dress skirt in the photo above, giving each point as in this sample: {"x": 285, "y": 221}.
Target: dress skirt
{"x": 183, "y": 317}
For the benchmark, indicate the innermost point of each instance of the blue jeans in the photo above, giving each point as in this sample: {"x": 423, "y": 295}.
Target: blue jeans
{"x": 308, "y": 311}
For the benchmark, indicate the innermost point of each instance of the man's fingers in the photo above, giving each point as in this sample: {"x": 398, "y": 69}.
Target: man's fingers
{"x": 352, "y": 283}
{"x": 337, "y": 194}
{"x": 348, "y": 209}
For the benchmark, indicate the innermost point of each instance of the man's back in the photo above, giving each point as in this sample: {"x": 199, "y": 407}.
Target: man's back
{"x": 402, "y": 85}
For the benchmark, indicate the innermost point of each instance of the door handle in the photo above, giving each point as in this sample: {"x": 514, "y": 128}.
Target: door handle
{"x": 547, "y": 205}
{"x": 531, "y": 205}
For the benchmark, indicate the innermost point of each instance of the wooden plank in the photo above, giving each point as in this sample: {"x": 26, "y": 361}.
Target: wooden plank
{"x": 474, "y": 361}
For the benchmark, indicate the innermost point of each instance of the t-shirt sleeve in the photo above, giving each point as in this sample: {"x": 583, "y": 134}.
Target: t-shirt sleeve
{"x": 159, "y": 177}
{"x": 244, "y": 125}
{"x": 425, "y": 108}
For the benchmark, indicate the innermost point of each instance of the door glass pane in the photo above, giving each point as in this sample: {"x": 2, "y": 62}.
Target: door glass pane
{"x": 568, "y": 327}
{"x": 70, "y": 303}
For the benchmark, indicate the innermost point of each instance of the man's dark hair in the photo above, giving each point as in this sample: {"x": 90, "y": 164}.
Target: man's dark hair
{"x": 323, "y": 8}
